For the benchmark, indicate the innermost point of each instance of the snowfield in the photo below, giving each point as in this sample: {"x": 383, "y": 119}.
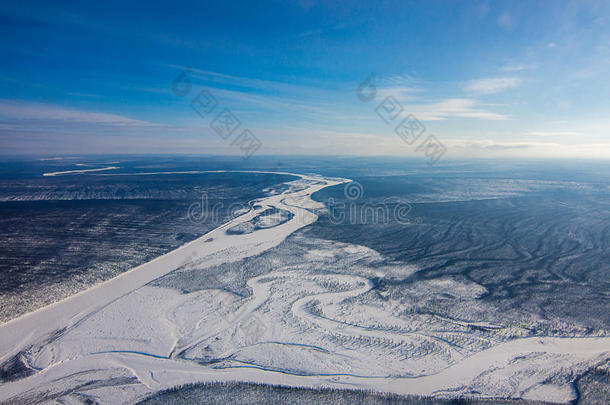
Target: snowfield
{"x": 302, "y": 325}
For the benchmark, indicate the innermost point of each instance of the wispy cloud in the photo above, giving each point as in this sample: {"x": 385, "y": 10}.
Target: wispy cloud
{"x": 404, "y": 87}
{"x": 491, "y": 85}
{"x": 402, "y": 93}
{"x": 492, "y": 147}
{"x": 453, "y": 108}
{"x": 518, "y": 68}
{"x": 488, "y": 144}
{"x": 404, "y": 79}
{"x": 298, "y": 100}
{"x": 258, "y": 85}
{"x": 18, "y": 112}
{"x": 553, "y": 133}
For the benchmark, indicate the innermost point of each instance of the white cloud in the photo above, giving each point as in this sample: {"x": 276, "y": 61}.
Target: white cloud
{"x": 403, "y": 87}
{"x": 553, "y": 133}
{"x": 18, "y": 111}
{"x": 518, "y": 68}
{"x": 491, "y": 85}
{"x": 452, "y": 108}
{"x": 401, "y": 93}
{"x": 404, "y": 79}
{"x": 488, "y": 144}
{"x": 493, "y": 148}
{"x": 258, "y": 85}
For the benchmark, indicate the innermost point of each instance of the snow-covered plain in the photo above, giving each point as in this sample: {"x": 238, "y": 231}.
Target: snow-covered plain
{"x": 301, "y": 326}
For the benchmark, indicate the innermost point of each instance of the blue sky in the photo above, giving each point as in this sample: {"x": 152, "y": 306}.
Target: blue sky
{"x": 487, "y": 78}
